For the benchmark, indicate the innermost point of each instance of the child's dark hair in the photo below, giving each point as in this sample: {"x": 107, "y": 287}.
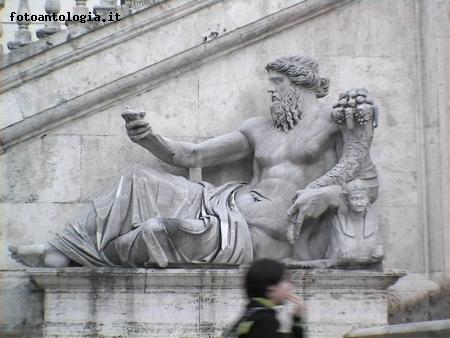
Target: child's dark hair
{"x": 261, "y": 275}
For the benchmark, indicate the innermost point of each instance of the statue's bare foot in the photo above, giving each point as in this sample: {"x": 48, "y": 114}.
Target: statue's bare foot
{"x": 29, "y": 255}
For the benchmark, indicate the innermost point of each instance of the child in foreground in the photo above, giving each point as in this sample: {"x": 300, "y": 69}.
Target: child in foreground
{"x": 267, "y": 286}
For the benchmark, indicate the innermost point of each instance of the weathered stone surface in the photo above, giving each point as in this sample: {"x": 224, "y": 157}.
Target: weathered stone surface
{"x": 437, "y": 328}
{"x": 395, "y": 158}
{"x": 398, "y": 223}
{"x": 400, "y": 189}
{"x": 105, "y": 159}
{"x": 172, "y": 115}
{"x": 414, "y": 298}
{"x": 28, "y": 223}
{"x": 197, "y": 303}
{"x": 242, "y": 91}
{"x": 11, "y": 112}
{"x": 21, "y": 313}
{"x": 44, "y": 170}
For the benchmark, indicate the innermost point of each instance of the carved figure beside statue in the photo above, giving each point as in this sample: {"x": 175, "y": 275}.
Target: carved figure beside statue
{"x": 302, "y": 159}
{"x": 355, "y": 235}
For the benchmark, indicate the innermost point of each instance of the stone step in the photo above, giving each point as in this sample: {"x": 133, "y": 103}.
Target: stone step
{"x": 428, "y": 329}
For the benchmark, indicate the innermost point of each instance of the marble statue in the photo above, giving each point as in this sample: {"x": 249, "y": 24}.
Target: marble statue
{"x": 302, "y": 159}
{"x": 355, "y": 236}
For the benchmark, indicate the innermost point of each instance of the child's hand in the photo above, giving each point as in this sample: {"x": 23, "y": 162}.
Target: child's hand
{"x": 300, "y": 308}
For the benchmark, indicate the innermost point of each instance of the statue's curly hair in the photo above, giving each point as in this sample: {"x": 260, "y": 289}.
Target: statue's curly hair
{"x": 355, "y": 186}
{"x": 302, "y": 71}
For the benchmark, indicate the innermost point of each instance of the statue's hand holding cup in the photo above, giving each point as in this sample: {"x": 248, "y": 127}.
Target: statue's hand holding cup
{"x": 137, "y": 128}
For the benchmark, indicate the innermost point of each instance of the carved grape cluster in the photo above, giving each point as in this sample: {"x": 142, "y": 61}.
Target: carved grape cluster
{"x": 355, "y": 104}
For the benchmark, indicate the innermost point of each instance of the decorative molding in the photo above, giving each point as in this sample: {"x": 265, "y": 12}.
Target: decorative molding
{"x": 150, "y": 76}
{"x": 432, "y": 134}
{"x": 105, "y": 279}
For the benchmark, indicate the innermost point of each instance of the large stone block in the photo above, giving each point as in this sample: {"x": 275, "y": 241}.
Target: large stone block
{"x": 398, "y": 188}
{"x": 171, "y": 109}
{"x": 197, "y": 302}
{"x": 375, "y": 33}
{"x": 402, "y": 237}
{"x": 394, "y": 158}
{"x": 423, "y": 329}
{"x": 30, "y": 103}
{"x": 236, "y": 93}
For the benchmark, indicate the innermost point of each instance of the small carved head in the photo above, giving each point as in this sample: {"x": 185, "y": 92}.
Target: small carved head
{"x": 302, "y": 71}
{"x": 356, "y": 195}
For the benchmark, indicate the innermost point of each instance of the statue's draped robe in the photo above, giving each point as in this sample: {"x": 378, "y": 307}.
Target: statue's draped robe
{"x": 154, "y": 217}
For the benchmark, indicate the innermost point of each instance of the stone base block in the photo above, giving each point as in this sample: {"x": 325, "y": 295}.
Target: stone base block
{"x": 197, "y": 302}
{"x": 427, "y": 329}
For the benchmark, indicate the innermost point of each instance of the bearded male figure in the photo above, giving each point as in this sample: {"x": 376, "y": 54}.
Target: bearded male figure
{"x": 155, "y": 218}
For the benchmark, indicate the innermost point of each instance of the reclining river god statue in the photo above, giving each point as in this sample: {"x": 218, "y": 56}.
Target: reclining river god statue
{"x": 303, "y": 155}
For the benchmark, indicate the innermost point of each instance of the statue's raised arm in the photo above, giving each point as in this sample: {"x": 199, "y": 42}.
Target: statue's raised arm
{"x": 218, "y": 150}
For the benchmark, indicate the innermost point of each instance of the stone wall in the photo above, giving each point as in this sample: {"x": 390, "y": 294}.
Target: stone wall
{"x": 398, "y": 50}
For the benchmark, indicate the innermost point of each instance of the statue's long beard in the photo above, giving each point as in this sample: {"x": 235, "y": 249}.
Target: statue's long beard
{"x": 286, "y": 110}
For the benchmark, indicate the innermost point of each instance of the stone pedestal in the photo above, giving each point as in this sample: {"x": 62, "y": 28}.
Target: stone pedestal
{"x": 197, "y": 302}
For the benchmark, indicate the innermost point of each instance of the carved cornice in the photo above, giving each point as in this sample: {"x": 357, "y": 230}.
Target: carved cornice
{"x": 150, "y": 76}
{"x": 142, "y": 280}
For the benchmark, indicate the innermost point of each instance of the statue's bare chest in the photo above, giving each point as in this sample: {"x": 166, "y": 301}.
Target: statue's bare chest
{"x": 275, "y": 147}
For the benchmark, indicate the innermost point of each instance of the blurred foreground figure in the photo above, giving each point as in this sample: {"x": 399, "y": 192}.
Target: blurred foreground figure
{"x": 267, "y": 286}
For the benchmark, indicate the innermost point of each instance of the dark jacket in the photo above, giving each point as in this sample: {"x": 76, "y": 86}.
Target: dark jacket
{"x": 259, "y": 321}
